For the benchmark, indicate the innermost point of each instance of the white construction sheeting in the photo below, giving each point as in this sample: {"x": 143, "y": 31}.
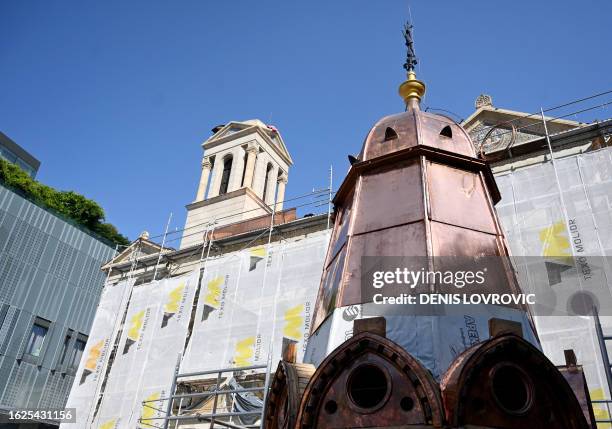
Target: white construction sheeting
{"x": 246, "y": 299}
{"x": 434, "y": 340}
{"x": 92, "y": 367}
{"x": 153, "y": 335}
{"x": 564, "y": 232}
{"x": 250, "y": 297}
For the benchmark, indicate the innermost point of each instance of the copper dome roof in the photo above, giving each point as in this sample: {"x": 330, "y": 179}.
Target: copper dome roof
{"x": 412, "y": 128}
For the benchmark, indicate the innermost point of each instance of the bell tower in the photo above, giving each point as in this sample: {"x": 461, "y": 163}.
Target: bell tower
{"x": 245, "y": 170}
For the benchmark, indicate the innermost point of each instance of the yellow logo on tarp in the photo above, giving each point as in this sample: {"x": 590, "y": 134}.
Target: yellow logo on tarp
{"x": 91, "y": 361}
{"x": 136, "y": 325}
{"x": 600, "y": 410}
{"x": 94, "y": 354}
{"x": 556, "y": 242}
{"x": 245, "y": 350}
{"x": 212, "y": 295}
{"x": 174, "y": 299}
{"x": 172, "y": 305}
{"x": 148, "y": 408}
{"x": 294, "y": 320}
{"x": 256, "y": 255}
{"x": 108, "y": 425}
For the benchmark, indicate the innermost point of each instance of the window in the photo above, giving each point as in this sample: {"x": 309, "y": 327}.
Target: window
{"x": 64, "y": 349}
{"x": 390, "y": 134}
{"x": 227, "y": 168}
{"x": 79, "y": 346}
{"x": 8, "y": 155}
{"x": 37, "y": 337}
{"x": 265, "y": 189}
{"x": 447, "y": 132}
{"x": 208, "y": 186}
{"x": 244, "y": 168}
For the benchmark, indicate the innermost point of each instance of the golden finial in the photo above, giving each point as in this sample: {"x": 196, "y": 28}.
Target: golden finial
{"x": 412, "y": 88}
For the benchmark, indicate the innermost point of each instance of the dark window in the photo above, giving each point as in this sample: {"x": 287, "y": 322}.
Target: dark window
{"x": 265, "y": 190}
{"x": 212, "y": 168}
{"x": 447, "y": 132}
{"x": 37, "y": 337}
{"x": 79, "y": 346}
{"x": 64, "y": 349}
{"x": 227, "y": 168}
{"x": 244, "y": 164}
{"x": 390, "y": 134}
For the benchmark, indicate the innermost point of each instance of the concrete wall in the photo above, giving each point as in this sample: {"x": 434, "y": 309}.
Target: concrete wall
{"x": 51, "y": 270}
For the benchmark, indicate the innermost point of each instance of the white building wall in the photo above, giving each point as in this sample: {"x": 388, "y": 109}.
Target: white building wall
{"x": 224, "y": 212}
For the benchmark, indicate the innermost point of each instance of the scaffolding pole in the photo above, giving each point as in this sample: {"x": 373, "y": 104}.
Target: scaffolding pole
{"x": 560, "y": 190}
{"x": 162, "y": 246}
{"x": 214, "y": 415}
{"x": 604, "y": 349}
{"x": 329, "y": 204}
{"x": 172, "y": 389}
{"x": 120, "y": 319}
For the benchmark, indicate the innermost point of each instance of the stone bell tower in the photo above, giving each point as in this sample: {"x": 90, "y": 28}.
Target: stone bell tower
{"x": 244, "y": 171}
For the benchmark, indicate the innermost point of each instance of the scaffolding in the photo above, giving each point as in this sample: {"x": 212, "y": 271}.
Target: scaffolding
{"x": 559, "y": 210}
{"x": 169, "y": 310}
{"x": 218, "y": 415}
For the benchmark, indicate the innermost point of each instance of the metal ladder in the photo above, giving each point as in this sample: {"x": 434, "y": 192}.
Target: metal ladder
{"x": 603, "y": 348}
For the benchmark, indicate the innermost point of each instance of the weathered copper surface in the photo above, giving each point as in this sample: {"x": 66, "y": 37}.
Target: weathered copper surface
{"x": 286, "y": 391}
{"x": 459, "y": 197}
{"x": 402, "y": 180}
{"x": 409, "y": 395}
{"x": 574, "y": 375}
{"x": 373, "y": 325}
{"x": 419, "y": 189}
{"x": 505, "y": 382}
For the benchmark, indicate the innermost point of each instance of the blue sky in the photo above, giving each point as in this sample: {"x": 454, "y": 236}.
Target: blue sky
{"x": 116, "y": 97}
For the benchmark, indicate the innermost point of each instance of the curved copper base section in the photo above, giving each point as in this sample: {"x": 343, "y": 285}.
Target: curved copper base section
{"x": 369, "y": 381}
{"x": 505, "y": 382}
{"x": 286, "y": 392}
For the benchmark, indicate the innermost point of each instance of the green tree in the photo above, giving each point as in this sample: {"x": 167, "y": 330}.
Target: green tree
{"x": 74, "y": 206}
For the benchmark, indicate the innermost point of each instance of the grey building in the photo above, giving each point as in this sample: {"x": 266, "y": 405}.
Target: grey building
{"x": 50, "y": 285}
{"x": 14, "y": 153}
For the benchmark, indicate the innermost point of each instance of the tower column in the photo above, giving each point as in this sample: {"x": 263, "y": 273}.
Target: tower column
{"x": 260, "y": 174}
{"x": 271, "y": 190}
{"x": 237, "y": 169}
{"x": 252, "y": 150}
{"x": 280, "y": 194}
{"x": 206, "y": 166}
{"x": 216, "y": 174}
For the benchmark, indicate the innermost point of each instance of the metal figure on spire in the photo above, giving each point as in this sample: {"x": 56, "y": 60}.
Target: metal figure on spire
{"x": 412, "y": 89}
{"x": 411, "y": 58}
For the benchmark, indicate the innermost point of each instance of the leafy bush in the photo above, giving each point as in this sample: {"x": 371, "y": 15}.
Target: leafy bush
{"x": 74, "y": 206}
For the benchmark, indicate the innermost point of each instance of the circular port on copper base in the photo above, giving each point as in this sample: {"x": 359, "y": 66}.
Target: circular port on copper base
{"x": 512, "y": 389}
{"x": 368, "y": 386}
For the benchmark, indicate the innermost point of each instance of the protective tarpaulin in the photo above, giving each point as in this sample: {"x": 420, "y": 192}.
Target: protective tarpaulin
{"x": 92, "y": 367}
{"x": 250, "y": 297}
{"x": 245, "y": 402}
{"x": 566, "y": 225}
{"x": 434, "y": 340}
{"x": 153, "y": 336}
